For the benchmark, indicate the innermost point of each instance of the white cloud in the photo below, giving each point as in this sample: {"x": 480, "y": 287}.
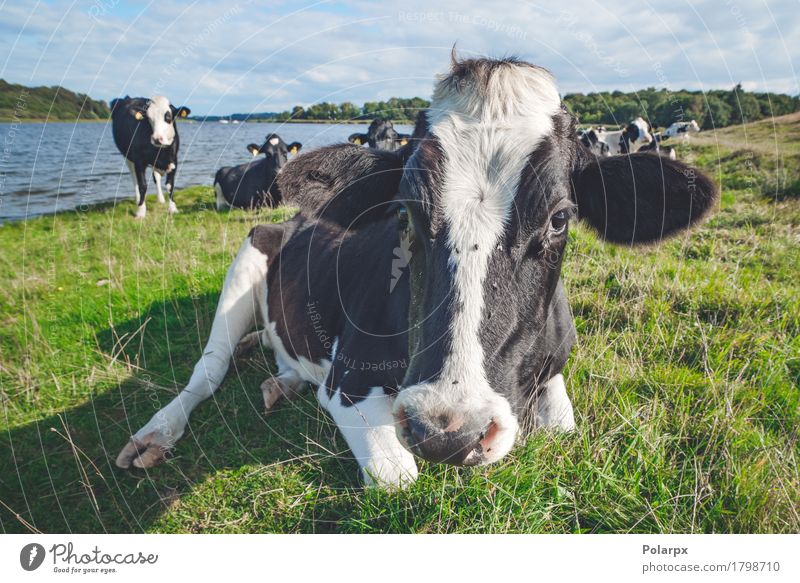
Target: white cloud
{"x": 244, "y": 55}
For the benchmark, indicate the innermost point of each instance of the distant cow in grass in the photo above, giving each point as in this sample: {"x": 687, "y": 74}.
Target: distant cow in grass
{"x": 382, "y": 135}
{"x": 590, "y": 139}
{"x": 655, "y": 146}
{"x": 252, "y": 185}
{"x": 419, "y": 290}
{"x": 628, "y": 140}
{"x": 145, "y": 133}
{"x": 681, "y": 128}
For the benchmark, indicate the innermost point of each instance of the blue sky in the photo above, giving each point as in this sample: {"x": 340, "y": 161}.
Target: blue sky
{"x": 248, "y": 55}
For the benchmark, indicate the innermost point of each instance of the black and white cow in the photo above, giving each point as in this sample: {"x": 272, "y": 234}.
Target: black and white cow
{"x": 253, "y": 185}
{"x": 681, "y": 128}
{"x": 590, "y": 139}
{"x": 382, "y": 135}
{"x": 655, "y": 146}
{"x": 145, "y": 133}
{"x": 420, "y": 290}
{"x": 628, "y": 140}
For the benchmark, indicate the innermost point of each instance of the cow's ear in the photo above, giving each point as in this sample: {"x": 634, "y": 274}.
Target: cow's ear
{"x": 344, "y": 184}
{"x": 295, "y": 147}
{"x": 358, "y": 139}
{"x": 254, "y": 149}
{"x": 640, "y": 198}
{"x": 182, "y": 112}
{"x": 138, "y": 115}
{"x": 403, "y": 138}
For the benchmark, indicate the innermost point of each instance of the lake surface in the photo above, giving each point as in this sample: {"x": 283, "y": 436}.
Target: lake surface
{"x": 46, "y": 168}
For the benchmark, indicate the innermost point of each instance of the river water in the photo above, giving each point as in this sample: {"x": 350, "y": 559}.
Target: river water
{"x": 52, "y": 167}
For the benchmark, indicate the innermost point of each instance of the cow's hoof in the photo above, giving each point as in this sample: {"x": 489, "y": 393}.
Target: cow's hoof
{"x": 161, "y": 199}
{"x": 147, "y": 452}
{"x": 273, "y": 390}
{"x": 173, "y": 208}
{"x": 141, "y": 212}
{"x": 247, "y": 344}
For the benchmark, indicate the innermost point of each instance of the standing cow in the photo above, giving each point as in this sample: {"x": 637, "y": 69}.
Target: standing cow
{"x": 454, "y": 351}
{"x": 145, "y": 133}
{"x": 252, "y": 185}
{"x": 382, "y": 135}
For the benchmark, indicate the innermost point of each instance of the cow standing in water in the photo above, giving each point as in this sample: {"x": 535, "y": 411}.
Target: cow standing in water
{"x": 464, "y": 350}
{"x": 145, "y": 133}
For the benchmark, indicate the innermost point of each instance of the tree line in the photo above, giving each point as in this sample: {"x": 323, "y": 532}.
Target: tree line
{"x": 55, "y": 103}
{"x": 715, "y": 108}
{"x": 712, "y": 109}
{"x": 399, "y": 109}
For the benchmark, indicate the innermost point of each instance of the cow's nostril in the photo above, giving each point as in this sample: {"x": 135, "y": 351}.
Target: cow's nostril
{"x": 488, "y": 436}
{"x": 417, "y": 431}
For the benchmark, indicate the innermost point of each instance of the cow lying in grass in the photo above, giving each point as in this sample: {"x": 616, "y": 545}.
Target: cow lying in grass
{"x": 253, "y": 185}
{"x": 453, "y": 346}
{"x": 382, "y": 135}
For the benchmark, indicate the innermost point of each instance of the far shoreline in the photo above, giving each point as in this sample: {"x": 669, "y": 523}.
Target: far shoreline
{"x": 309, "y": 121}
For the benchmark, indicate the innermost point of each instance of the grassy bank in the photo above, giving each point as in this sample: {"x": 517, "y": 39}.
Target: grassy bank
{"x": 684, "y": 381}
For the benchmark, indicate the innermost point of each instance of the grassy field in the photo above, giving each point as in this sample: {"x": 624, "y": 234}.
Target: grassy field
{"x": 684, "y": 380}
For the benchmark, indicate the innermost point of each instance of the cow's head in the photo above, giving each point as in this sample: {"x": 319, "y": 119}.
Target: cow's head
{"x": 484, "y": 195}
{"x": 161, "y": 116}
{"x": 275, "y": 150}
{"x": 381, "y": 134}
{"x": 637, "y": 134}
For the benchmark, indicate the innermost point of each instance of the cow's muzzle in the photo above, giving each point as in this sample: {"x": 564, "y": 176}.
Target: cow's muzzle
{"x": 456, "y": 435}
{"x": 461, "y": 447}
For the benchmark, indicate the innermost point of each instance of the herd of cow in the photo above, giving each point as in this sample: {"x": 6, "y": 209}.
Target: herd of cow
{"x": 637, "y": 136}
{"x": 418, "y": 288}
{"x": 154, "y": 143}
{"x": 145, "y": 133}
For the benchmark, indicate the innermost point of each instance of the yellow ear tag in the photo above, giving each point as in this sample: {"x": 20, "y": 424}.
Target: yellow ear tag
{"x": 403, "y": 142}
{"x": 138, "y": 115}
{"x": 293, "y": 150}
{"x": 357, "y": 141}
{"x": 183, "y": 113}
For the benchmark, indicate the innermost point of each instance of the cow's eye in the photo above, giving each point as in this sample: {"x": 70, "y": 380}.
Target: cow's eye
{"x": 402, "y": 218}
{"x": 168, "y": 117}
{"x": 558, "y": 222}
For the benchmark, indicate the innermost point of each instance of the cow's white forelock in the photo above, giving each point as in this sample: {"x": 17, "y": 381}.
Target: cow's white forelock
{"x": 487, "y": 134}
{"x": 157, "y": 107}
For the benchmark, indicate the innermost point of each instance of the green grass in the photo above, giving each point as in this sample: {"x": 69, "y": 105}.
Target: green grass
{"x": 684, "y": 381}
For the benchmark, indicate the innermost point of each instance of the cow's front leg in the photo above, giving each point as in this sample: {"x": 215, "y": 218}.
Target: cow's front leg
{"x": 369, "y": 429}
{"x": 137, "y": 171}
{"x": 553, "y": 407}
{"x": 159, "y": 192}
{"x": 171, "y": 169}
{"x": 238, "y": 311}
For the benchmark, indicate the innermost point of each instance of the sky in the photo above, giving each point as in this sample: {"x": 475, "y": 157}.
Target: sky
{"x": 242, "y": 56}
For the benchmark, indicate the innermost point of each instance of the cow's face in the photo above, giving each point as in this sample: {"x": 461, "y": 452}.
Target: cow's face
{"x": 486, "y": 201}
{"x": 382, "y": 135}
{"x": 276, "y": 151}
{"x": 486, "y": 206}
{"x": 161, "y": 115}
{"x": 484, "y": 194}
{"x": 639, "y": 132}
